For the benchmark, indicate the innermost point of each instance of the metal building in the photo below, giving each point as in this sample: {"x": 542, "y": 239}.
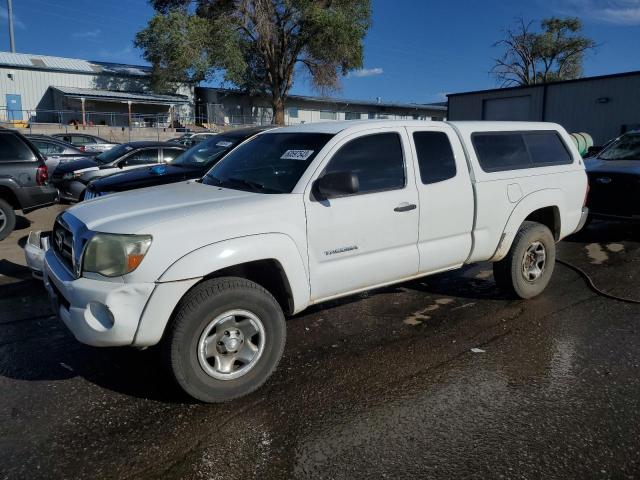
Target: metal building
{"x": 38, "y": 88}
{"x": 225, "y": 106}
{"x": 603, "y": 106}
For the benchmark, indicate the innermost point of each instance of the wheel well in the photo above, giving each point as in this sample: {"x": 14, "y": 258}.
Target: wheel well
{"x": 267, "y": 273}
{"x": 9, "y": 196}
{"x": 549, "y": 216}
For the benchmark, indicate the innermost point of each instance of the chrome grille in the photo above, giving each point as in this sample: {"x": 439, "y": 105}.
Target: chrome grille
{"x": 62, "y": 244}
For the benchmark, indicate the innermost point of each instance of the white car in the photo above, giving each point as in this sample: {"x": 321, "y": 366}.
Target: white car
{"x": 300, "y": 215}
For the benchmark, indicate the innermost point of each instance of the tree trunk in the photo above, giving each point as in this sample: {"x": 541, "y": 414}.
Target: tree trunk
{"x": 277, "y": 103}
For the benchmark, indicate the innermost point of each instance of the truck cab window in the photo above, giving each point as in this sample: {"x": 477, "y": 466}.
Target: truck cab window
{"x": 376, "y": 159}
{"x": 435, "y": 157}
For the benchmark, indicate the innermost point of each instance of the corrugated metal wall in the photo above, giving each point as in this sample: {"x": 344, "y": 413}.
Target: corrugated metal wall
{"x": 32, "y": 85}
{"x": 471, "y": 106}
{"x": 598, "y": 106}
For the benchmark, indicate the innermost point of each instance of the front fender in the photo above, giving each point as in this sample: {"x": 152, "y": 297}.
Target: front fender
{"x": 527, "y": 205}
{"x": 216, "y": 256}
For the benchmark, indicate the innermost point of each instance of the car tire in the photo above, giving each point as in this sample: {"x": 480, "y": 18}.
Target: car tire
{"x": 7, "y": 219}
{"x": 215, "y": 319}
{"x": 526, "y": 270}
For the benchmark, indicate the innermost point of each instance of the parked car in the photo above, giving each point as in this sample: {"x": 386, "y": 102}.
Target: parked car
{"x": 23, "y": 179}
{"x": 86, "y": 142}
{"x": 55, "y": 150}
{"x": 193, "y": 163}
{"x": 300, "y": 215}
{"x": 71, "y": 178}
{"x": 614, "y": 180}
{"x": 191, "y": 139}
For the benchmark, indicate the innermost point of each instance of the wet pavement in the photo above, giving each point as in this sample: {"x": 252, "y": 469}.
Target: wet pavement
{"x": 380, "y": 385}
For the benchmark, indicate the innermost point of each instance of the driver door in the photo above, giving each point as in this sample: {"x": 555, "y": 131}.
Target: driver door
{"x": 370, "y": 237}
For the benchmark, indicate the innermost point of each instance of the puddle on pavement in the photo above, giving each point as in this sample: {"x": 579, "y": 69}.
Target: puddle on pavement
{"x": 421, "y": 316}
{"x": 596, "y": 253}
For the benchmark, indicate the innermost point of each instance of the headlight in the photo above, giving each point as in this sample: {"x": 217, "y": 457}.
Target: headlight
{"x": 115, "y": 255}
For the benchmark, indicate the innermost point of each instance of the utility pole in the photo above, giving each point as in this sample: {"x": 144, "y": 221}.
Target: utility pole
{"x": 12, "y": 42}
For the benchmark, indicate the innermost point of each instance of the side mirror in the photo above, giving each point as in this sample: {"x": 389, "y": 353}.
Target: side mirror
{"x": 336, "y": 184}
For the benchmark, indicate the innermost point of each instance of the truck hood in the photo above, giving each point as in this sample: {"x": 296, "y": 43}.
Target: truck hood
{"x": 137, "y": 211}
{"x": 596, "y": 165}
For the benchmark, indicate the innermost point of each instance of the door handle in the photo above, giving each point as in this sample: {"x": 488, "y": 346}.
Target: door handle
{"x": 405, "y": 207}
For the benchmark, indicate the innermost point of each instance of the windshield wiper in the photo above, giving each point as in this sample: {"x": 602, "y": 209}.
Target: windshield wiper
{"x": 248, "y": 183}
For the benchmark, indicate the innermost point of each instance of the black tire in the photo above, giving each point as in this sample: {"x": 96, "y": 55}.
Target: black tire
{"x": 201, "y": 306}
{"x": 508, "y": 272}
{"x": 7, "y": 219}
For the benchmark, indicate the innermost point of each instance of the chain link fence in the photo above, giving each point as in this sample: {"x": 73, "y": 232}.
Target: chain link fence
{"x": 112, "y": 126}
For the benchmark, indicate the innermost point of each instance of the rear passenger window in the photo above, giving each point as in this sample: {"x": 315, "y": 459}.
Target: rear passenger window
{"x": 12, "y": 149}
{"x": 500, "y": 151}
{"x": 435, "y": 156}
{"x": 376, "y": 159}
{"x": 546, "y": 148}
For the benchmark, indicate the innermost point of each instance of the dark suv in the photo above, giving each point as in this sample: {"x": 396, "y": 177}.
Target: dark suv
{"x": 24, "y": 180}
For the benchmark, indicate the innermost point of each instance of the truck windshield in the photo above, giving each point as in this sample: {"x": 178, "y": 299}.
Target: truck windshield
{"x": 626, "y": 147}
{"x": 268, "y": 163}
{"x": 206, "y": 153}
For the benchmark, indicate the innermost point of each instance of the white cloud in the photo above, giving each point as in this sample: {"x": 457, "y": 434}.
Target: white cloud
{"x": 88, "y": 34}
{"x": 367, "y": 72}
{"x": 4, "y": 16}
{"x": 616, "y": 12}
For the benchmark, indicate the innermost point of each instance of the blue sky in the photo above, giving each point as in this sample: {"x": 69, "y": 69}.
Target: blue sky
{"x": 416, "y": 50}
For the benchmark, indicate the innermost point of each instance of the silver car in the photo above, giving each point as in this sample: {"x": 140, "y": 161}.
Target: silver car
{"x": 85, "y": 142}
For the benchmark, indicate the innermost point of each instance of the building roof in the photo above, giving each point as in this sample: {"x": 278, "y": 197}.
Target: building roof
{"x": 74, "y": 65}
{"x": 115, "y": 96}
{"x": 342, "y": 101}
{"x": 575, "y": 80}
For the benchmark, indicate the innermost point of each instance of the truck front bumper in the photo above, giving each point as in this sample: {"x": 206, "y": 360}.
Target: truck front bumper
{"x": 99, "y": 313}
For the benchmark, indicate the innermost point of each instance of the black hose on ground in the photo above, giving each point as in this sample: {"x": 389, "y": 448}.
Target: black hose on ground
{"x": 587, "y": 278}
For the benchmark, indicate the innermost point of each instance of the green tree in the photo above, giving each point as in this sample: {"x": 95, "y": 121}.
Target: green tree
{"x": 256, "y": 45}
{"x": 556, "y": 52}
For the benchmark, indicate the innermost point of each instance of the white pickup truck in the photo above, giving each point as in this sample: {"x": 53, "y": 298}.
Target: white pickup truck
{"x": 299, "y": 215}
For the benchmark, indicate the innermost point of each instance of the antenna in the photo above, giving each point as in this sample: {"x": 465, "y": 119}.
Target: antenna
{"x": 12, "y": 42}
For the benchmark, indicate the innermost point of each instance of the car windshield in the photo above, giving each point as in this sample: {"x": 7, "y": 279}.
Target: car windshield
{"x": 206, "y": 153}
{"x": 113, "y": 154}
{"x": 268, "y": 163}
{"x": 626, "y": 147}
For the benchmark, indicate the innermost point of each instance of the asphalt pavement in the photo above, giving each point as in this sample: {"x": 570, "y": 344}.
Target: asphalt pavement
{"x": 442, "y": 377}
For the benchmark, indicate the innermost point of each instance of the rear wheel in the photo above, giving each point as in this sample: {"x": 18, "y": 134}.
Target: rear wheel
{"x": 7, "y": 219}
{"x": 226, "y": 339}
{"x": 526, "y": 270}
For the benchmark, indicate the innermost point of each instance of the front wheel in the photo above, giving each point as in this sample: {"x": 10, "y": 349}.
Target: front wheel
{"x": 226, "y": 339}
{"x": 527, "y": 268}
{"x": 7, "y": 219}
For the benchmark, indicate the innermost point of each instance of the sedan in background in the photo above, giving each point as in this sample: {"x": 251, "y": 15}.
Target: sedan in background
{"x": 55, "y": 150}
{"x": 86, "y": 142}
{"x": 191, "y": 139}
{"x": 71, "y": 178}
{"x": 614, "y": 180}
{"x": 193, "y": 163}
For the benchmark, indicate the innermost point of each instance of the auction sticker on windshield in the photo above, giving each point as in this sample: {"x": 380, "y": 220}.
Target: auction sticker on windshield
{"x": 296, "y": 154}
{"x": 224, "y": 144}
